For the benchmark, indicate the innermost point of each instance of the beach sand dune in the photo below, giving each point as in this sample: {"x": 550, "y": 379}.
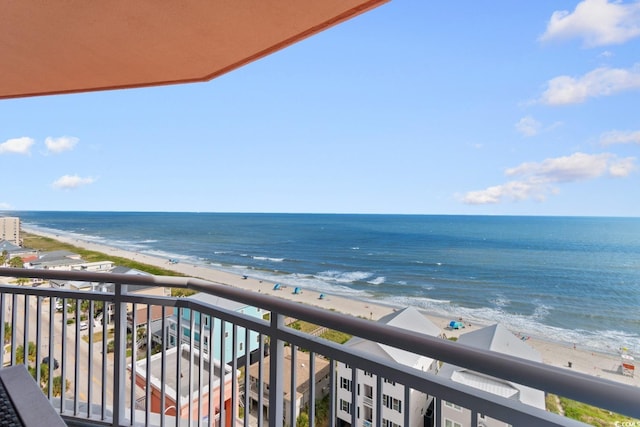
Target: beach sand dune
{"x": 564, "y": 355}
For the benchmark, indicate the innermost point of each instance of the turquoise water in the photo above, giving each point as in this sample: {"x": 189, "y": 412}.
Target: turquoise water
{"x": 574, "y": 279}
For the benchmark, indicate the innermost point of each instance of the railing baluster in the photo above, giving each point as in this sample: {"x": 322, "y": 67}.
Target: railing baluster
{"x": 379, "y": 394}
{"x": 276, "y": 359}
{"x": 178, "y": 408}
{"x": 211, "y": 400}
{"x": 5, "y": 326}
{"x": 119, "y": 359}
{"x": 407, "y": 404}
{"x": 51, "y": 353}
{"x": 63, "y": 357}
{"x": 163, "y": 368}
{"x": 294, "y": 381}
{"x": 105, "y": 360}
{"x": 134, "y": 367}
{"x": 354, "y": 397}
{"x": 247, "y": 364}
{"x": 312, "y": 388}
{"x": 79, "y": 320}
{"x": 76, "y": 380}
{"x": 201, "y": 364}
{"x": 14, "y": 322}
{"x": 39, "y": 327}
{"x": 332, "y": 392}
{"x": 260, "y": 383}
{"x": 148, "y": 386}
{"x": 234, "y": 376}
{"x": 192, "y": 328}
{"x": 223, "y": 377}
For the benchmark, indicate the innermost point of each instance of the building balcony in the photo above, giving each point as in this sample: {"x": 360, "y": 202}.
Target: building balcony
{"x": 125, "y": 374}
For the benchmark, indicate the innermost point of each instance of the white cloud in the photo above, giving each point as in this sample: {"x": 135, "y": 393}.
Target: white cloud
{"x": 528, "y": 126}
{"x": 5, "y": 206}
{"x": 536, "y": 180}
{"x": 622, "y": 168}
{"x": 58, "y": 145}
{"x": 602, "y": 81}
{"x": 17, "y": 145}
{"x": 69, "y": 182}
{"x": 620, "y": 137}
{"x": 597, "y": 22}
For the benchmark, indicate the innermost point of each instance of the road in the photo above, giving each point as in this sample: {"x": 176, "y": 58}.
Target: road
{"x": 66, "y": 354}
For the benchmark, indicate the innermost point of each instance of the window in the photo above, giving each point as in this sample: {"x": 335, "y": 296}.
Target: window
{"x": 345, "y": 406}
{"x": 241, "y": 346}
{"x": 389, "y": 382}
{"x": 387, "y": 423}
{"x": 452, "y": 405}
{"x": 449, "y": 423}
{"x": 345, "y": 383}
{"x": 368, "y": 391}
{"x": 368, "y": 414}
{"x": 392, "y": 403}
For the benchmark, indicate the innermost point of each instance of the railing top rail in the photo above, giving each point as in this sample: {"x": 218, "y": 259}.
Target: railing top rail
{"x": 593, "y": 390}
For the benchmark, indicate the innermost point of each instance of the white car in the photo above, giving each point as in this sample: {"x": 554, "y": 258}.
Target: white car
{"x": 84, "y": 326}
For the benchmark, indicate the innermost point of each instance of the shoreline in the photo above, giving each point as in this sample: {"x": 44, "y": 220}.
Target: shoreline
{"x": 555, "y": 353}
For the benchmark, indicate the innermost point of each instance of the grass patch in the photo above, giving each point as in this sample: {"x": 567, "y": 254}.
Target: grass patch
{"x": 336, "y": 336}
{"x": 303, "y": 326}
{"x": 97, "y": 336}
{"x": 329, "y": 334}
{"x": 594, "y": 416}
{"x": 47, "y": 244}
{"x": 551, "y": 403}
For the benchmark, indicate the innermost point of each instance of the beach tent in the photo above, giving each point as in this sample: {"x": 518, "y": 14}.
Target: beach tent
{"x": 321, "y": 296}
{"x": 276, "y": 287}
{"x": 456, "y": 325}
{"x": 297, "y": 291}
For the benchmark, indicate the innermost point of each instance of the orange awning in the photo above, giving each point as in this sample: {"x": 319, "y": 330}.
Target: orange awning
{"x": 54, "y": 47}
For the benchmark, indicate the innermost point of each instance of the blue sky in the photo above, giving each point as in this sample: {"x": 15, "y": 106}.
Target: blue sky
{"x": 523, "y": 108}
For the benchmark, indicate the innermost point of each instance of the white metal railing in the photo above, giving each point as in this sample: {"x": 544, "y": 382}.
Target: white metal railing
{"x": 99, "y": 381}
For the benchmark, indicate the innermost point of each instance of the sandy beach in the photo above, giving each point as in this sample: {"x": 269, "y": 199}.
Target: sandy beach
{"x": 553, "y": 353}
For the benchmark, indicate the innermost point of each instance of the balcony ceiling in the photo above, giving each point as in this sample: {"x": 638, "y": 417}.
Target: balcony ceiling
{"x": 55, "y": 47}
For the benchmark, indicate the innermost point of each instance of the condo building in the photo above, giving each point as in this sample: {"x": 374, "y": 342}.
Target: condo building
{"x": 10, "y": 230}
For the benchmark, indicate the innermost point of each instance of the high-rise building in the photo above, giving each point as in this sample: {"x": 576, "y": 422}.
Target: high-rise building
{"x": 10, "y": 229}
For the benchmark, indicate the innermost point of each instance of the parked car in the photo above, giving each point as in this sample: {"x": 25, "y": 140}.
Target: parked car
{"x": 59, "y": 305}
{"x": 84, "y": 326}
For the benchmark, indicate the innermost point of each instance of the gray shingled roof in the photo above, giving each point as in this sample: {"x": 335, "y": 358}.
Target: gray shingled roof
{"x": 408, "y": 318}
{"x": 499, "y": 339}
{"x": 5, "y": 245}
{"x": 218, "y": 301}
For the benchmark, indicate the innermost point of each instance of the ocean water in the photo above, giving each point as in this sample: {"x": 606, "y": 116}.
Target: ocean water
{"x": 569, "y": 279}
